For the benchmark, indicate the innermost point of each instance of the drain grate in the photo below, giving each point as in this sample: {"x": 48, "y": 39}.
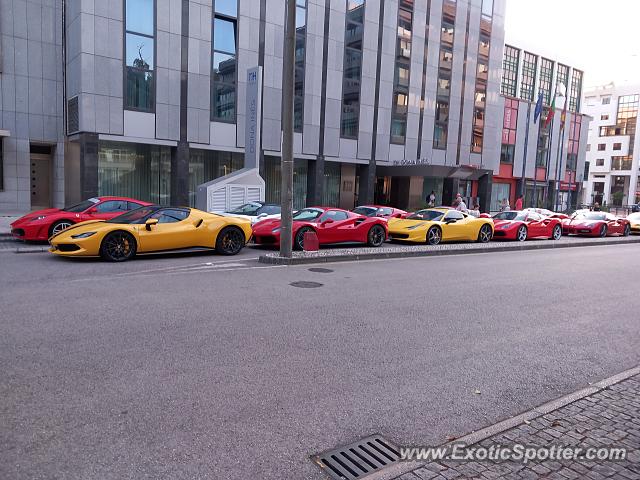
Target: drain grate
{"x": 359, "y": 459}
{"x": 306, "y": 284}
{"x": 320, "y": 270}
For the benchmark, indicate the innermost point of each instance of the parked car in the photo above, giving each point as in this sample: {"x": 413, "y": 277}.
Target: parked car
{"x": 152, "y": 229}
{"x": 42, "y": 224}
{"x": 595, "y": 224}
{"x": 635, "y": 208}
{"x": 524, "y": 225}
{"x": 547, "y": 213}
{"x": 331, "y": 225}
{"x": 379, "y": 211}
{"x": 634, "y": 222}
{"x": 255, "y": 211}
{"x": 434, "y": 225}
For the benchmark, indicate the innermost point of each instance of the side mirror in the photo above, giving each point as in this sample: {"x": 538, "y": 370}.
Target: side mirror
{"x": 150, "y": 222}
{"x": 262, "y": 215}
{"x": 327, "y": 221}
{"x": 450, "y": 220}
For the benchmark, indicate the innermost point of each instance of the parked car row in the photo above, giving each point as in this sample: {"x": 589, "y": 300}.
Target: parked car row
{"x": 117, "y": 228}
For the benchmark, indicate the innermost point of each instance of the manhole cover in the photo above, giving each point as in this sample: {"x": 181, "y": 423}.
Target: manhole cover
{"x": 320, "y": 270}
{"x": 306, "y": 284}
{"x": 359, "y": 459}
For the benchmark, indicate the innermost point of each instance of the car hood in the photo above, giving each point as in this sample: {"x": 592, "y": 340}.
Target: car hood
{"x": 583, "y": 223}
{"x": 402, "y": 223}
{"x": 30, "y": 216}
{"x": 82, "y": 227}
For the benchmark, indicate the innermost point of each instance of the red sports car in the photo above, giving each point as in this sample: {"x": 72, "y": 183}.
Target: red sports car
{"x": 40, "y": 225}
{"x": 379, "y": 211}
{"x": 595, "y": 224}
{"x": 332, "y": 225}
{"x": 522, "y": 225}
{"x": 547, "y": 213}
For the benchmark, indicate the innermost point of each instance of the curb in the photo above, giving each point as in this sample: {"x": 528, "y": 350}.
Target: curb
{"x": 487, "y": 432}
{"x": 313, "y": 258}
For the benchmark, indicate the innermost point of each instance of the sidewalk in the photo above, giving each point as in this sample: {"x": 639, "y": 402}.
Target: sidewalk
{"x": 610, "y": 417}
{"x": 5, "y": 221}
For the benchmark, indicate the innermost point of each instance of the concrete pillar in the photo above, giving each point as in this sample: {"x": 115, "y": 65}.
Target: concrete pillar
{"x": 484, "y": 192}
{"x": 450, "y": 187}
{"x": 367, "y": 187}
{"x": 315, "y": 181}
{"x": 180, "y": 174}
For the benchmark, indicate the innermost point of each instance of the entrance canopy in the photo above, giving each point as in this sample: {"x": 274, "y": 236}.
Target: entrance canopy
{"x": 462, "y": 172}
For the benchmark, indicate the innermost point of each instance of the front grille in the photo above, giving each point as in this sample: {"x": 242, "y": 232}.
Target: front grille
{"x": 268, "y": 239}
{"x": 499, "y": 233}
{"x": 585, "y": 230}
{"x": 399, "y": 236}
{"x": 67, "y": 247}
{"x": 18, "y": 232}
{"x": 359, "y": 459}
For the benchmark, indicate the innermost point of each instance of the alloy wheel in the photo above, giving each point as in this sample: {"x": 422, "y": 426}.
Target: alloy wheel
{"x": 376, "y": 236}
{"x": 434, "y": 236}
{"x": 230, "y": 241}
{"x": 603, "y": 231}
{"x": 557, "y": 232}
{"x": 119, "y": 246}
{"x": 60, "y": 226}
{"x": 485, "y": 234}
{"x": 522, "y": 233}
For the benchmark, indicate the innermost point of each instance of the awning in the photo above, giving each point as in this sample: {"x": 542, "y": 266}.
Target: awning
{"x": 463, "y": 172}
{"x": 5, "y": 133}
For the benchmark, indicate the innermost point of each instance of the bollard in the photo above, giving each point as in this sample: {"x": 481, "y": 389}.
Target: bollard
{"x": 311, "y": 243}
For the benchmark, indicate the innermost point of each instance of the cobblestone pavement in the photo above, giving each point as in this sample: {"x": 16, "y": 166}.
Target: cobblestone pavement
{"x": 608, "y": 418}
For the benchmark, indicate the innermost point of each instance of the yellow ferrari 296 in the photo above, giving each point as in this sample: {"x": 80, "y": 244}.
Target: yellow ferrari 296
{"x": 152, "y": 229}
{"x": 434, "y": 225}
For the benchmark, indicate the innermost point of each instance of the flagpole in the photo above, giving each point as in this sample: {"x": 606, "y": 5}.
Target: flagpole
{"x": 548, "y": 159}
{"x": 559, "y": 177}
{"x": 535, "y": 171}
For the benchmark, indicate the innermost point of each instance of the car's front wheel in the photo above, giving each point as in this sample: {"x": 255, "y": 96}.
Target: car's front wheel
{"x": 627, "y": 230}
{"x": 434, "y": 236}
{"x": 230, "y": 241}
{"x": 59, "y": 226}
{"x": 376, "y": 236}
{"x": 521, "y": 236}
{"x": 603, "y": 231}
{"x": 298, "y": 243}
{"x": 118, "y": 247}
{"x": 557, "y": 233}
{"x": 485, "y": 234}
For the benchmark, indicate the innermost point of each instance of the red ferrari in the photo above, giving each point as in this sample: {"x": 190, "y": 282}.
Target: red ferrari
{"x": 547, "y": 213}
{"x": 40, "y": 225}
{"x": 523, "y": 225}
{"x": 595, "y": 224}
{"x": 332, "y": 225}
{"x": 379, "y": 211}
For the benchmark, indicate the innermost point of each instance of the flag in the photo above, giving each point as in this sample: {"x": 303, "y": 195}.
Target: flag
{"x": 538, "y": 110}
{"x": 563, "y": 116}
{"x": 552, "y": 110}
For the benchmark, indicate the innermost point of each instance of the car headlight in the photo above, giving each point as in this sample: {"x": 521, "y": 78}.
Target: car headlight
{"x": 83, "y": 235}
{"x": 40, "y": 217}
{"x": 275, "y": 230}
{"x": 505, "y": 227}
{"x": 418, "y": 225}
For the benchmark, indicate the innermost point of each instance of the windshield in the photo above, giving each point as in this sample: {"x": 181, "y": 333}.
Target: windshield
{"x": 365, "y": 211}
{"x": 82, "y": 206}
{"x": 589, "y": 216}
{"x": 134, "y": 216}
{"x": 431, "y": 215}
{"x": 247, "y": 209}
{"x": 510, "y": 216}
{"x": 307, "y": 214}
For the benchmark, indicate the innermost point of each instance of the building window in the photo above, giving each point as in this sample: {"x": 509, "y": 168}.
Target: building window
{"x": 332, "y": 181}
{"x": 403, "y": 72}
{"x": 606, "y": 100}
{"x": 499, "y": 191}
{"x": 588, "y": 147}
{"x": 510, "y": 71}
{"x": 443, "y": 93}
{"x": 139, "y": 55}
{"x": 1, "y": 165}
{"x": 562, "y": 79}
{"x": 604, "y": 117}
{"x": 207, "y": 165}
{"x": 575, "y": 90}
{"x": 543, "y": 141}
{"x": 134, "y": 170}
{"x": 599, "y": 162}
{"x": 617, "y": 146}
{"x": 301, "y": 42}
{"x": 574, "y": 142}
{"x": 621, "y": 163}
{"x": 546, "y": 79}
{"x": 507, "y": 153}
{"x": 352, "y": 68}
{"x": 572, "y": 161}
{"x": 223, "y": 67}
{"x": 482, "y": 75}
{"x": 528, "y": 76}
{"x": 602, "y": 147}
{"x": 487, "y": 8}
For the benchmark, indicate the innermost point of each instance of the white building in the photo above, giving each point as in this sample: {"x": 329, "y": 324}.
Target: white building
{"x": 613, "y": 151}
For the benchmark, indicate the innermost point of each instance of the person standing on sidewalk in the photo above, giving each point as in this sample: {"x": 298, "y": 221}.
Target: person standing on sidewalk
{"x": 459, "y": 204}
{"x": 519, "y": 203}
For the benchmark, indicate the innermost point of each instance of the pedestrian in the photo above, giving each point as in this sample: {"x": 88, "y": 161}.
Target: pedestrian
{"x": 460, "y": 205}
{"x": 504, "y": 207}
{"x": 475, "y": 212}
{"x": 519, "y": 203}
{"x": 431, "y": 199}
{"x": 596, "y": 207}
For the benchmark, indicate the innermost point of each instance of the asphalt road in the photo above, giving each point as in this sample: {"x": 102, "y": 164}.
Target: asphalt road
{"x": 171, "y": 368}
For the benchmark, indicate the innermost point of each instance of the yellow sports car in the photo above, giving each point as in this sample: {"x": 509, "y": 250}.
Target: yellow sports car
{"x": 434, "y": 225}
{"x": 152, "y": 229}
{"x": 634, "y": 218}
